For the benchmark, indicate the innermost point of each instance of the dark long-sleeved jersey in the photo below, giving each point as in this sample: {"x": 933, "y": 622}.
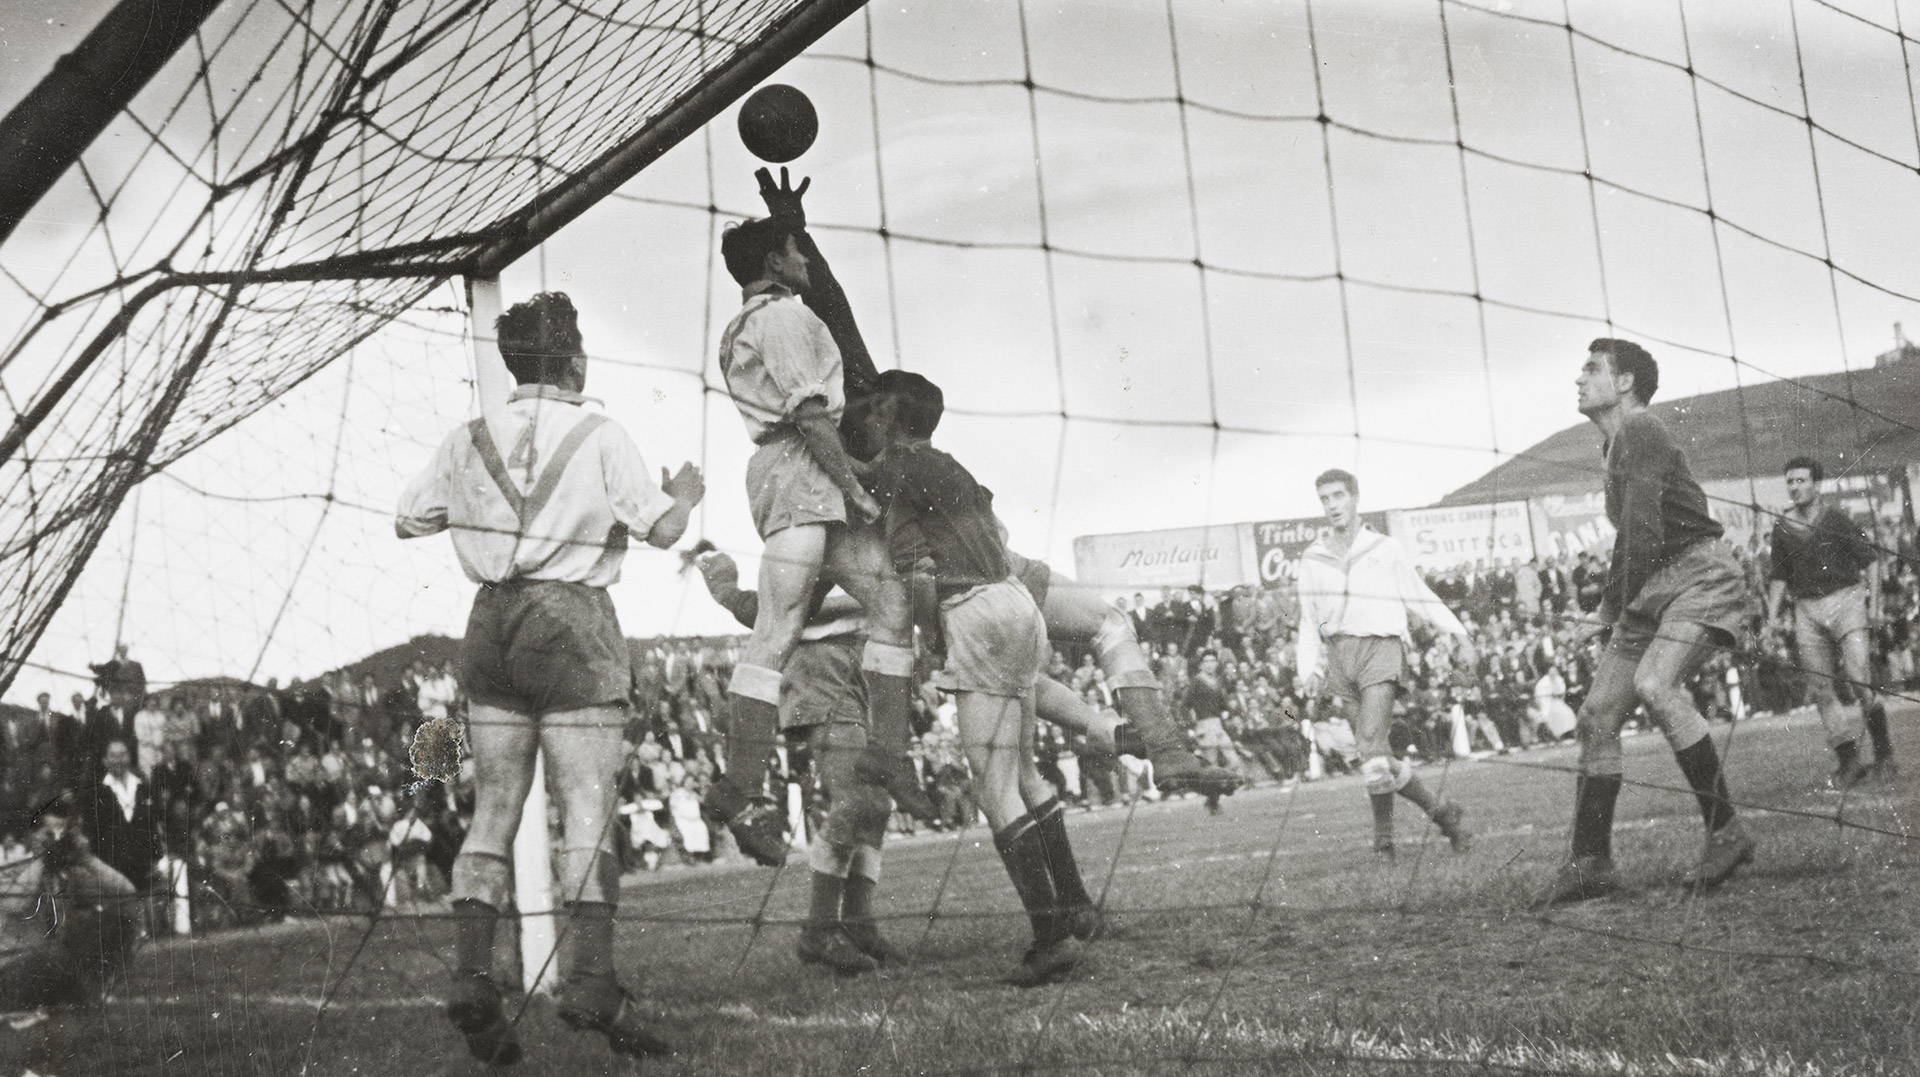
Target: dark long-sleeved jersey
{"x": 1656, "y": 507}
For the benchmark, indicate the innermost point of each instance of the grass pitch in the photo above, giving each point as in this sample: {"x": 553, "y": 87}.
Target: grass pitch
{"x": 1264, "y": 940}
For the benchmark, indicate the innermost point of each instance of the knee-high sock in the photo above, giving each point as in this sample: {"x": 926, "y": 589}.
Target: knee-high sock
{"x": 750, "y": 741}
{"x": 474, "y": 927}
{"x": 1026, "y": 861}
{"x": 825, "y": 895}
{"x": 1050, "y": 819}
{"x": 1421, "y": 797}
{"x": 889, "y": 708}
{"x": 1701, "y": 764}
{"x": 1145, "y": 710}
{"x": 863, "y": 877}
{"x": 1382, "y": 817}
{"x": 1877, "y": 730}
{"x": 1593, "y": 799}
{"x": 589, "y": 942}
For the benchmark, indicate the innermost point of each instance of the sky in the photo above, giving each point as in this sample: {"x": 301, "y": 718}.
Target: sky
{"x": 1112, "y": 386}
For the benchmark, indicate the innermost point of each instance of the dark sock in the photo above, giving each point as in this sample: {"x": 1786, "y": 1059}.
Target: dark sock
{"x": 1026, "y": 860}
{"x": 1877, "y": 730}
{"x": 750, "y": 739}
{"x": 823, "y": 909}
{"x": 1382, "y": 818}
{"x": 856, "y": 899}
{"x": 473, "y": 930}
{"x": 1126, "y": 741}
{"x": 589, "y": 942}
{"x": 1848, "y": 754}
{"x": 1593, "y": 798}
{"x": 1701, "y": 764}
{"x": 889, "y": 710}
{"x": 1146, "y": 713}
{"x": 1050, "y": 819}
{"x": 1421, "y": 797}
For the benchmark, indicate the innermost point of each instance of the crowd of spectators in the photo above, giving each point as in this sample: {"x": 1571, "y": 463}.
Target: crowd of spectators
{"x": 254, "y": 802}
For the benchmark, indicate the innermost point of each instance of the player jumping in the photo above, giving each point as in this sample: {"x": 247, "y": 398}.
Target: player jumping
{"x": 1820, "y": 557}
{"x": 1074, "y": 614}
{"x": 1357, "y": 588}
{"x": 541, "y": 495}
{"x": 996, "y": 647}
{"x": 1674, "y": 595}
{"x": 784, "y": 372}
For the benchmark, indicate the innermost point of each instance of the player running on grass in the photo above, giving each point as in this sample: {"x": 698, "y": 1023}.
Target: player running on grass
{"x": 1074, "y": 614}
{"x": 1674, "y": 595}
{"x": 1820, "y": 558}
{"x": 541, "y": 495}
{"x": 937, "y": 516}
{"x": 823, "y": 703}
{"x": 1357, "y": 588}
{"x": 784, "y": 372}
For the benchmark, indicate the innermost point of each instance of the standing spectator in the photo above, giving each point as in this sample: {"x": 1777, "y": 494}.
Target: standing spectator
{"x": 1205, "y": 704}
{"x": 123, "y": 680}
{"x": 119, "y": 818}
{"x": 1556, "y": 589}
{"x": 1526, "y": 589}
{"x": 149, "y": 734}
{"x": 1589, "y": 582}
{"x": 25, "y": 749}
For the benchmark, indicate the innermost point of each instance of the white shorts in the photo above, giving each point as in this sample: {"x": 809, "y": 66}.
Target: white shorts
{"x": 996, "y": 640}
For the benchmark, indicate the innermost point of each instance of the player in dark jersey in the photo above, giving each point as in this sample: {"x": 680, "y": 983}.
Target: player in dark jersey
{"x": 1074, "y": 614}
{"x": 1674, "y": 595}
{"x": 1821, "y": 558}
{"x": 823, "y": 704}
{"x": 939, "y": 521}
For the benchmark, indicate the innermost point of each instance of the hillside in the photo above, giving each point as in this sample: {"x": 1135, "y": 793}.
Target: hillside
{"x": 1781, "y": 419}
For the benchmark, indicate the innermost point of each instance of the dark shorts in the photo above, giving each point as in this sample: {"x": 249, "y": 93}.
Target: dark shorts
{"x": 540, "y": 646}
{"x": 1703, "y": 585}
{"x": 1035, "y": 576}
{"x": 823, "y": 684}
{"x": 1358, "y": 662}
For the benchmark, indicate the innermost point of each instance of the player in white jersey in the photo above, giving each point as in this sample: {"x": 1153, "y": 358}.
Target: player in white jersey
{"x": 1357, "y": 590}
{"x": 542, "y": 528}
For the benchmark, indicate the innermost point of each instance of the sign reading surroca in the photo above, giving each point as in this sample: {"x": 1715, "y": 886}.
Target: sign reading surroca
{"x": 1463, "y": 534}
{"x": 1209, "y": 556}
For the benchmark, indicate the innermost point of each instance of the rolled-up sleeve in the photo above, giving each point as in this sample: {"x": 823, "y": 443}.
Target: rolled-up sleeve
{"x": 423, "y": 504}
{"x": 637, "y": 501}
{"x": 797, "y": 353}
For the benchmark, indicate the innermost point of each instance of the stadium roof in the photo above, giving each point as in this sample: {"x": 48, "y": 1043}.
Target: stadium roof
{"x": 1782, "y": 419}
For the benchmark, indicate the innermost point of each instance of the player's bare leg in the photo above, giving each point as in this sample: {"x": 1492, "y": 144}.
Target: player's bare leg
{"x": 1680, "y": 649}
{"x": 789, "y": 568}
{"x": 856, "y": 559}
{"x": 1387, "y": 776}
{"x": 584, "y": 749}
{"x": 990, "y": 735}
{"x": 1844, "y": 722}
{"x": 1077, "y": 614}
{"x": 1657, "y": 679}
{"x": 502, "y": 742}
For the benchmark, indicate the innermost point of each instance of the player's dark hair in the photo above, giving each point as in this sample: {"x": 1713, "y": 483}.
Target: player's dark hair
{"x": 1805, "y": 463}
{"x": 920, "y": 401}
{"x": 745, "y": 246}
{"x": 1631, "y": 358}
{"x": 1344, "y": 478}
{"x": 540, "y": 338}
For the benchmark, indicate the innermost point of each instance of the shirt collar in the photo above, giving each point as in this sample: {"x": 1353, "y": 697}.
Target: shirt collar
{"x": 548, "y": 392}
{"x": 765, "y": 287}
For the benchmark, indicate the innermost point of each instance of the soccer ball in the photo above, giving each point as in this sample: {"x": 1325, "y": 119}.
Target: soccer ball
{"x": 777, "y": 123}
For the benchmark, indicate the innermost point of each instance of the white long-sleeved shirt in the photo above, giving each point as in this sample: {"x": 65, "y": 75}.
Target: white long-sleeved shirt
{"x": 1369, "y": 592}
